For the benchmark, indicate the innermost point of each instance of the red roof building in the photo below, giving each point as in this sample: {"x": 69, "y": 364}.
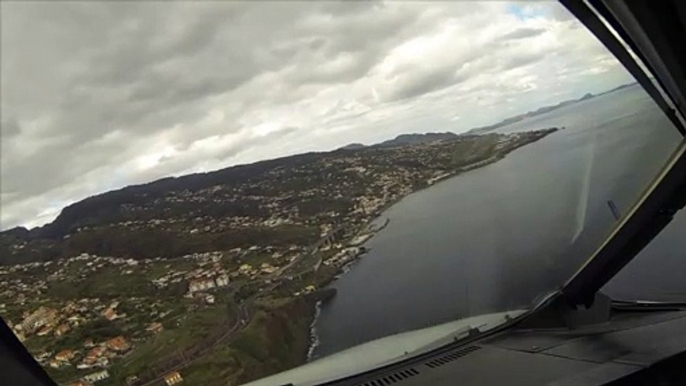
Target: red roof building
{"x": 118, "y": 344}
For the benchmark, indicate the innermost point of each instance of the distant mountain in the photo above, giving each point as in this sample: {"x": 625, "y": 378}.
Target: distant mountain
{"x": 619, "y": 87}
{"x": 504, "y": 122}
{"x": 353, "y": 146}
{"x": 541, "y": 110}
{"x": 411, "y": 139}
{"x": 528, "y": 114}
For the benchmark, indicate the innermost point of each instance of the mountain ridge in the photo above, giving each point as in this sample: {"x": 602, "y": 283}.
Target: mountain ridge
{"x": 236, "y": 173}
{"x": 283, "y": 202}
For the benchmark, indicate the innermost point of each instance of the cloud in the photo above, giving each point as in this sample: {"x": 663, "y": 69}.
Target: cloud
{"x": 522, "y": 60}
{"x": 420, "y": 83}
{"x": 99, "y": 95}
{"x": 523, "y": 33}
{"x": 10, "y": 128}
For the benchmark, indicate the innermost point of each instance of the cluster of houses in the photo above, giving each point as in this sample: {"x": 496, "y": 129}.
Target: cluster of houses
{"x": 92, "y": 355}
{"x": 207, "y": 283}
{"x": 205, "y": 279}
{"x": 46, "y": 321}
{"x": 344, "y": 256}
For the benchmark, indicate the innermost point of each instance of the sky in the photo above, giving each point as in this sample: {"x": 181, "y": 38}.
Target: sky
{"x": 99, "y": 95}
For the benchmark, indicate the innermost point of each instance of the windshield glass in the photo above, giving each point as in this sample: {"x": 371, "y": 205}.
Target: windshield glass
{"x": 213, "y": 193}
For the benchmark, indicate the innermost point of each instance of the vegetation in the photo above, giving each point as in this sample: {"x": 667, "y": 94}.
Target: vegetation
{"x": 233, "y": 207}
{"x": 175, "y": 342}
{"x": 273, "y": 211}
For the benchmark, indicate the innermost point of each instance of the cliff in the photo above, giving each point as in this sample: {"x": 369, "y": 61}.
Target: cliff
{"x": 277, "y": 339}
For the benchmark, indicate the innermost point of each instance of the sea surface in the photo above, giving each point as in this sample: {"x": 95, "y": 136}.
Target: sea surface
{"x": 497, "y": 237}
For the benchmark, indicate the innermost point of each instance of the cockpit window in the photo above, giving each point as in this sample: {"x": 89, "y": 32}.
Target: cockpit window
{"x": 213, "y": 193}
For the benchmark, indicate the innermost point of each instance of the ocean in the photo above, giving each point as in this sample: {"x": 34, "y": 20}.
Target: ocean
{"x": 497, "y": 237}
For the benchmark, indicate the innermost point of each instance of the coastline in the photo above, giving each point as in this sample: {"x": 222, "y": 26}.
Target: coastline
{"x": 314, "y": 338}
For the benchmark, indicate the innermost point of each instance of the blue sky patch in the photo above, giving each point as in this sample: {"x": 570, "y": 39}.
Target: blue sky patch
{"x": 524, "y": 11}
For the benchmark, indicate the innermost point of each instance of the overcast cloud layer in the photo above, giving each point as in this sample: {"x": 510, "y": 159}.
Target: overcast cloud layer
{"x": 100, "y": 95}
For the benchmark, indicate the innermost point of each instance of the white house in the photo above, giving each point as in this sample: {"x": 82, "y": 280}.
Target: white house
{"x": 97, "y": 376}
{"x": 200, "y": 285}
{"x": 222, "y": 280}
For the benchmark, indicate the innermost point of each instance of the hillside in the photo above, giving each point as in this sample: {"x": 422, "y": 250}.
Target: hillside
{"x": 215, "y": 275}
{"x": 282, "y": 202}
